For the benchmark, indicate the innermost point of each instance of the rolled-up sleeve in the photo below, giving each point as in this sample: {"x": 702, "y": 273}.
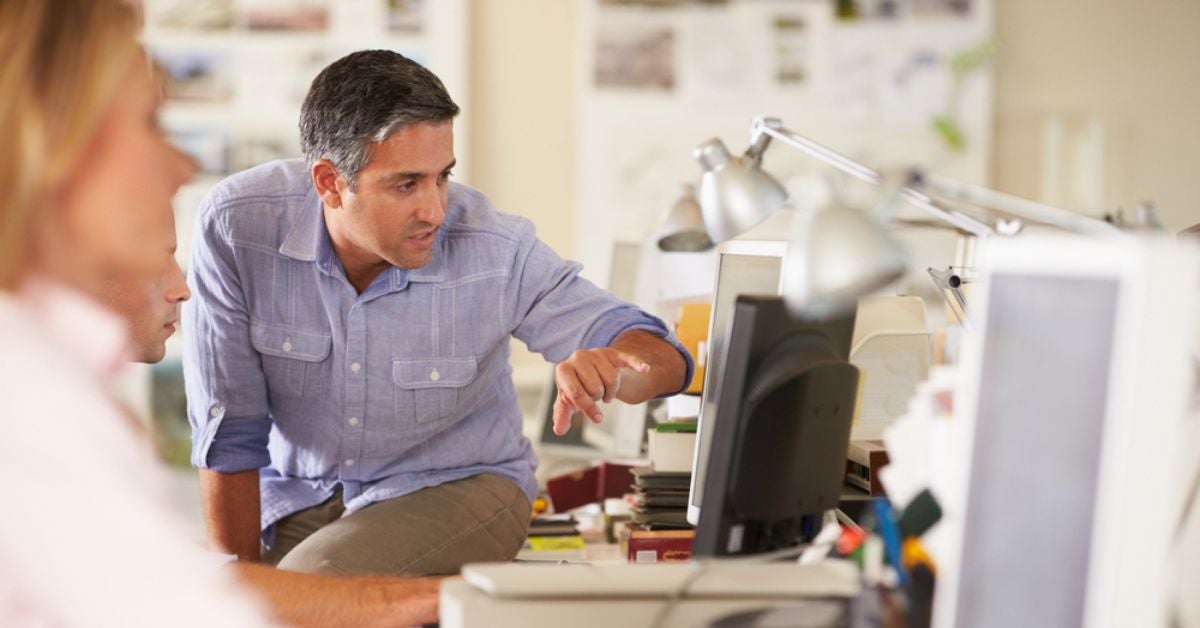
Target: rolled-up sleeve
{"x": 556, "y": 312}
{"x": 226, "y": 389}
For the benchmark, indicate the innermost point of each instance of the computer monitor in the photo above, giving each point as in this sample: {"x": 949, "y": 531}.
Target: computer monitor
{"x": 1073, "y": 399}
{"x": 782, "y": 428}
{"x": 748, "y": 264}
{"x": 622, "y": 433}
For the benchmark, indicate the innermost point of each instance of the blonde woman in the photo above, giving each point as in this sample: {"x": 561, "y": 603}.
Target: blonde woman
{"x": 87, "y": 179}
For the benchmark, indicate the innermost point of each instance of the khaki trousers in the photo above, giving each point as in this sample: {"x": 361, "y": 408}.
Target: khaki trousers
{"x": 434, "y": 531}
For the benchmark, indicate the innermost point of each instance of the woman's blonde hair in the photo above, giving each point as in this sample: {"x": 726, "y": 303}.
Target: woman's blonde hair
{"x": 62, "y": 61}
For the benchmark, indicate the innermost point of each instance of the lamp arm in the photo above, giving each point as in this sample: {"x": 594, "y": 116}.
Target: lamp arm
{"x": 1024, "y": 209}
{"x": 959, "y": 220}
{"x": 773, "y": 128}
{"x": 764, "y": 129}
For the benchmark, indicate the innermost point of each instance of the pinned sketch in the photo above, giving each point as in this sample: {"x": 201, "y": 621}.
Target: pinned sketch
{"x": 716, "y": 56}
{"x": 793, "y": 50}
{"x": 854, "y": 90}
{"x": 635, "y": 57}
{"x": 915, "y": 89}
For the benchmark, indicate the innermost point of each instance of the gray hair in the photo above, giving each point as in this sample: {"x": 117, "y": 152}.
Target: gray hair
{"x": 363, "y": 98}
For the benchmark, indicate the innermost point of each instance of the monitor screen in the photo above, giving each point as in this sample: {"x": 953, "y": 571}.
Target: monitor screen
{"x": 744, "y": 272}
{"x": 1047, "y": 355}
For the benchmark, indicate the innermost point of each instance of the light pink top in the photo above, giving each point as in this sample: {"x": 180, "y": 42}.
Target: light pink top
{"x": 87, "y": 537}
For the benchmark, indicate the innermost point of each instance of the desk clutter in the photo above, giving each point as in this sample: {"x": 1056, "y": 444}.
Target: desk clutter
{"x": 553, "y": 538}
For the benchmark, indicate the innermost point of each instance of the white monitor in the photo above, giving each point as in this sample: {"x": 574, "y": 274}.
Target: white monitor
{"x": 748, "y": 264}
{"x": 1073, "y": 390}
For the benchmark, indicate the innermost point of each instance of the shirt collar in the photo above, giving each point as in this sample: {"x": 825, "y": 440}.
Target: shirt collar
{"x": 80, "y": 325}
{"x": 303, "y": 241}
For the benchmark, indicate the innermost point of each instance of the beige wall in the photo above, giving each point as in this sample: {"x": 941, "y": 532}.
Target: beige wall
{"x": 522, "y": 110}
{"x": 522, "y": 114}
{"x": 1133, "y": 68}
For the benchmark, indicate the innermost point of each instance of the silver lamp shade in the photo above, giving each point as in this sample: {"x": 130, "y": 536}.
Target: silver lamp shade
{"x": 735, "y": 193}
{"x": 684, "y": 229}
{"x": 838, "y": 254}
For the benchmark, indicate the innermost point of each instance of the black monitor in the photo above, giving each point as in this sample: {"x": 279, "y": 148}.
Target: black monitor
{"x": 782, "y": 428}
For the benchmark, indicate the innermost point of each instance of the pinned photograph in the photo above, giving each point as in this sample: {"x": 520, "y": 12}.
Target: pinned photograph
{"x": 208, "y": 146}
{"x": 196, "y": 75}
{"x": 406, "y": 16}
{"x": 285, "y": 15}
{"x": 635, "y": 58}
{"x": 954, "y": 8}
{"x": 253, "y": 150}
{"x": 189, "y": 15}
{"x": 170, "y": 429}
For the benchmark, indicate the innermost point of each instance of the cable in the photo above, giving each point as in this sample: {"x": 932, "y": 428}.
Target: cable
{"x": 678, "y": 594}
{"x": 700, "y": 567}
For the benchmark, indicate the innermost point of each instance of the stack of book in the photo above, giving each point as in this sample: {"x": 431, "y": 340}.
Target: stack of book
{"x": 657, "y": 546}
{"x": 553, "y": 538}
{"x": 659, "y": 530}
{"x": 660, "y": 499}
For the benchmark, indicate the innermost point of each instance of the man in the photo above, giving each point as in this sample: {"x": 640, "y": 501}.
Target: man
{"x": 151, "y": 312}
{"x": 347, "y": 346}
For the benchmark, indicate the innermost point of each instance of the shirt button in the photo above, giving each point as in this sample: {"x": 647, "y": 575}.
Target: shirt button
{"x": 355, "y": 367}
{"x": 349, "y": 463}
{"x": 287, "y": 347}
{"x": 215, "y": 412}
{"x": 435, "y": 376}
{"x": 353, "y": 421}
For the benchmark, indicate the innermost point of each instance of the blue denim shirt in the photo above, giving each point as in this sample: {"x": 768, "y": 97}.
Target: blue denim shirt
{"x": 289, "y": 370}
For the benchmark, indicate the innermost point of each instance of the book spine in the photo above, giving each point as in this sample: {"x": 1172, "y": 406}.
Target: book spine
{"x": 660, "y": 550}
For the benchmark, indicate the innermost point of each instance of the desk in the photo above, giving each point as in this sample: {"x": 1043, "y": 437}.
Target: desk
{"x": 619, "y": 594}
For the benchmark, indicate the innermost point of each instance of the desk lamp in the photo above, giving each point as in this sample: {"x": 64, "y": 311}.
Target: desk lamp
{"x": 836, "y": 253}
{"x": 684, "y": 229}
{"x": 841, "y": 253}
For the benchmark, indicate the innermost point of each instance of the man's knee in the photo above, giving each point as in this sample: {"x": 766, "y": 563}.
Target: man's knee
{"x": 305, "y": 558}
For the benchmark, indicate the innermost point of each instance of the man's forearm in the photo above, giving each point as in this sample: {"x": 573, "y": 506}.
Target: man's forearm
{"x": 318, "y": 600}
{"x": 667, "y": 367}
{"x": 231, "y": 512}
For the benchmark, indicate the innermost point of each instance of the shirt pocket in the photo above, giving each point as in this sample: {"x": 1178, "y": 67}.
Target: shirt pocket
{"x": 291, "y": 357}
{"x": 428, "y": 389}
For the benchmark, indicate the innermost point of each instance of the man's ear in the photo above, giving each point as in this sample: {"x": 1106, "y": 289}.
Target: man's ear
{"x": 329, "y": 182}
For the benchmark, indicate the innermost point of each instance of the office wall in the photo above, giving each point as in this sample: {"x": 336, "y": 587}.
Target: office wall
{"x": 1115, "y": 84}
{"x": 522, "y": 117}
{"x": 522, "y": 110}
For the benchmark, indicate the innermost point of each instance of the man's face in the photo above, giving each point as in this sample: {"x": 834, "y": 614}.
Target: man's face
{"x": 151, "y": 309}
{"x": 399, "y": 200}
